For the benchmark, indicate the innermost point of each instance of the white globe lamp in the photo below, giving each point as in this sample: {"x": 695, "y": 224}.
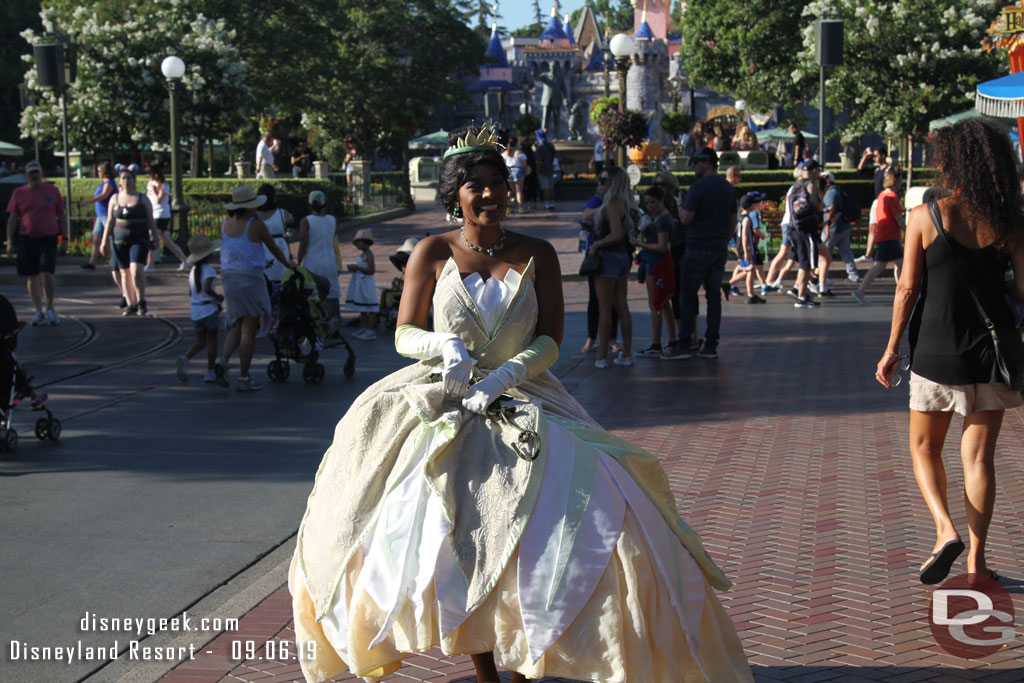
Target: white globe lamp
{"x": 172, "y": 67}
{"x": 622, "y": 45}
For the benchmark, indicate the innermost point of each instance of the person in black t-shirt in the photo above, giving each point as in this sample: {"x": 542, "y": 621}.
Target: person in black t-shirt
{"x": 874, "y": 161}
{"x": 799, "y": 144}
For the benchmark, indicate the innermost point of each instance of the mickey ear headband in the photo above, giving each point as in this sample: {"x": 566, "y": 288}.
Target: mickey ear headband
{"x": 131, "y": 168}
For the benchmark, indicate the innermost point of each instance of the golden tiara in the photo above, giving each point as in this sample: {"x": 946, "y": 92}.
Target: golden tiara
{"x": 486, "y": 138}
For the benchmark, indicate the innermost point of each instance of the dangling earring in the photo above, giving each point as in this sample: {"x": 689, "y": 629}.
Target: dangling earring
{"x": 457, "y": 212}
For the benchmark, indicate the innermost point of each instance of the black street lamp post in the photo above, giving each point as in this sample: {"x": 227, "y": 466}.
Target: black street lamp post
{"x": 173, "y": 69}
{"x": 622, "y": 48}
{"x": 404, "y": 63}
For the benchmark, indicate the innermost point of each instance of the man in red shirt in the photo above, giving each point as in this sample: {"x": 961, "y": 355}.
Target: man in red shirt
{"x": 39, "y": 208}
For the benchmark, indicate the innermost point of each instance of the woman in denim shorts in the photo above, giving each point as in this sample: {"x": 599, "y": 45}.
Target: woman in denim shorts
{"x": 614, "y": 221}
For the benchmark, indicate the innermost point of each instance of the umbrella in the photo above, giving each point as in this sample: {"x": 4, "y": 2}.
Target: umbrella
{"x": 783, "y": 134}
{"x": 434, "y": 140}
{"x": 1002, "y": 97}
{"x": 952, "y": 118}
{"x": 9, "y": 150}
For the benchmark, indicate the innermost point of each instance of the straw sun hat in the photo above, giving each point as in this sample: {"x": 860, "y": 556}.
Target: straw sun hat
{"x": 201, "y": 246}
{"x": 244, "y": 197}
{"x": 364, "y": 234}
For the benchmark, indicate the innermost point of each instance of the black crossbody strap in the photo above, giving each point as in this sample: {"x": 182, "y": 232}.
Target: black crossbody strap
{"x": 933, "y": 209}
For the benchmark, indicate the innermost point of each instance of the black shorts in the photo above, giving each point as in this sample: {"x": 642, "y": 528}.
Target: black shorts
{"x": 37, "y": 255}
{"x": 805, "y": 244}
{"x": 163, "y": 224}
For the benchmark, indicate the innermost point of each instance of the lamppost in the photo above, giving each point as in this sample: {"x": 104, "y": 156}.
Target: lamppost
{"x": 173, "y": 69}
{"x": 404, "y": 58}
{"x": 622, "y": 48}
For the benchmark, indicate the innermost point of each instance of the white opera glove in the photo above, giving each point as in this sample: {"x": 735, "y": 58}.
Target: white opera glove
{"x": 457, "y": 367}
{"x": 528, "y": 363}
{"x": 482, "y": 394}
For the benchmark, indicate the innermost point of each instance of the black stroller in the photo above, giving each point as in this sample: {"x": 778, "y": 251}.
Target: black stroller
{"x": 301, "y": 327}
{"x": 16, "y": 386}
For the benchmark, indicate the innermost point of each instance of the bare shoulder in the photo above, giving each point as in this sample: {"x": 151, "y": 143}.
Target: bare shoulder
{"x": 431, "y": 252}
{"x": 540, "y": 250}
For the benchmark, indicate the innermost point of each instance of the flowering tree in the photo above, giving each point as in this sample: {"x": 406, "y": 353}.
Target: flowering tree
{"x": 120, "y": 96}
{"x": 907, "y": 62}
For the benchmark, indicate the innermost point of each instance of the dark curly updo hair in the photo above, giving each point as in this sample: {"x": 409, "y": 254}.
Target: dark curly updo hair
{"x": 454, "y": 168}
{"x": 975, "y": 159}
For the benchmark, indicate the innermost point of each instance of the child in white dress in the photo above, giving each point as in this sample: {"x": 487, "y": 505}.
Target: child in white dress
{"x": 205, "y": 305}
{"x": 362, "y": 291}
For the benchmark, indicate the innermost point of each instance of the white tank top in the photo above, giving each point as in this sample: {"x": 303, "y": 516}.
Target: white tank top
{"x": 240, "y": 253}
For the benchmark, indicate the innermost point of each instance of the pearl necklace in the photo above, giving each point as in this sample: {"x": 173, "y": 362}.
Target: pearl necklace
{"x": 489, "y": 251}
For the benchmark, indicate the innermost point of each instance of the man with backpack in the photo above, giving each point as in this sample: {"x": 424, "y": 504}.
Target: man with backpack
{"x": 806, "y": 210}
{"x": 841, "y": 213}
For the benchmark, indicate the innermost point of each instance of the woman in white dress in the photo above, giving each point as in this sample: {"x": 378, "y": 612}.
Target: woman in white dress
{"x": 277, "y": 221}
{"x": 521, "y": 534}
{"x": 318, "y": 247}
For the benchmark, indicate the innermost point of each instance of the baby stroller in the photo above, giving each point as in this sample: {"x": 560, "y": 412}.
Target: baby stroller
{"x": 390, "y": 297}
{"x": 301, "y": 328}
{"x": 16, "y": 385}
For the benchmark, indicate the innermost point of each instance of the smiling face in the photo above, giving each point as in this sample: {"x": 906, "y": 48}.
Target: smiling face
{"x": 484, "y": 195}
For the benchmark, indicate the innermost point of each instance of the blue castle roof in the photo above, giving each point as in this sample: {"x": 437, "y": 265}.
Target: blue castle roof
{"x": 568, "y": 31}
{"x": 596, "y": 62}
{"x": 496, "y": 52}
{"x": 644, "y": 32}
{"x": 554, "y": 31}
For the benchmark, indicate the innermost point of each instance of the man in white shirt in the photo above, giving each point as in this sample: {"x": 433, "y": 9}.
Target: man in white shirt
{"x": 265, "y": 151}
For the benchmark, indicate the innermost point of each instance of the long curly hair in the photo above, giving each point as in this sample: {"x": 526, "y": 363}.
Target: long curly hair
{"x": 454, "y": 168}
{"x": 975, "y": 161}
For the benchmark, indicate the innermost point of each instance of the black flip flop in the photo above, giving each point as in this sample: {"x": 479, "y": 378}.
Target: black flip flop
{"x": 938, "y": 567}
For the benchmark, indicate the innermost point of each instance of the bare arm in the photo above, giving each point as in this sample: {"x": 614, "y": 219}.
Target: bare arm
{"x": 907, "y": 290}
{"x": 420, "y": 281}
{"x": 550, "y": 304}
{"x": 748, "y": 248}
{"x": 369, "y": 268}
{"x": 12, "y": 225}
{"x": 303, "y": 239}
{"x": 150, "y": 221}
{"x": 109, "y": 226}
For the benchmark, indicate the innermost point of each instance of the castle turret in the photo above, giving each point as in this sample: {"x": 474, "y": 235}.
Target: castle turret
{"x": 650, "y": 60}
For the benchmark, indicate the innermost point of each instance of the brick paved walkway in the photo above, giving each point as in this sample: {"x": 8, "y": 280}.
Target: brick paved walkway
{"x": 792, "y": 464}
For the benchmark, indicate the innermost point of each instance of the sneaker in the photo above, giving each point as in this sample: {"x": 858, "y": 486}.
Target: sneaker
{"x": 853, "y": 277}
{"x": 182, "y": 372}
{"x": 623, "y": 360}
{"x": 88, "y": 266}
{"x": 793, "y": 292}
{"x": 812, "y": 287}
{"x": 676, "y": 351}
{"x": 182, "y": 267}
{"x": 369, "y": 335}
{"x": 769, "y": 287}
{"x": 755, "y": 299}
{"x": 735, "y": 291}
{"x": 220, "y": 374}
{"x": 826, "y": 292}
{"x": 123, "y": 303}
{"x": 149, "y": 269}
{"x": 142, "y": 307}
{"x": 358, "y": 334}
{"x": 210, "y": 376}
{"x": 863, "y": 259}
{"x": 131, "y": 310}
{"x": 708, "y": 351}
{"x": 860, "y": 298}
{"x": 776, "y": 286}
{"x": 652, "y": 351}
{"x": 601, "y": 363}
{"x": 39, "y": 319}
{"x": 51, "y": 317}
{"x": 247, "y": 384}
{"x": 806, "y": 303}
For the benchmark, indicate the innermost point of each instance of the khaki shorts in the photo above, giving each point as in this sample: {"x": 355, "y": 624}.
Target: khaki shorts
{"x": 963, "y": 399}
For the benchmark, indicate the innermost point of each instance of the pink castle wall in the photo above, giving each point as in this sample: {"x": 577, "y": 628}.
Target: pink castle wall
{"x": 657, "y": 16}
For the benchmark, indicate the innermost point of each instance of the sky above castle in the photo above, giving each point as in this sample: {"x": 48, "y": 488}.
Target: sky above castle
{"x": 518, "y": 13}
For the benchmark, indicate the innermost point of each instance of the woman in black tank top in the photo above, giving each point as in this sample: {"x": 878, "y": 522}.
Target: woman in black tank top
{"x": 976, "y": 234}
{"x": 132, "y": 231}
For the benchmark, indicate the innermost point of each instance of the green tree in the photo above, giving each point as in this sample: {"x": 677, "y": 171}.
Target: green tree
{"x": 907, "y": 62}
{"x": 17, "y": 16}
{"x": 356, "y": 87}
{"x": 752, "y": 60}
{"x": 120, "y": 97}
